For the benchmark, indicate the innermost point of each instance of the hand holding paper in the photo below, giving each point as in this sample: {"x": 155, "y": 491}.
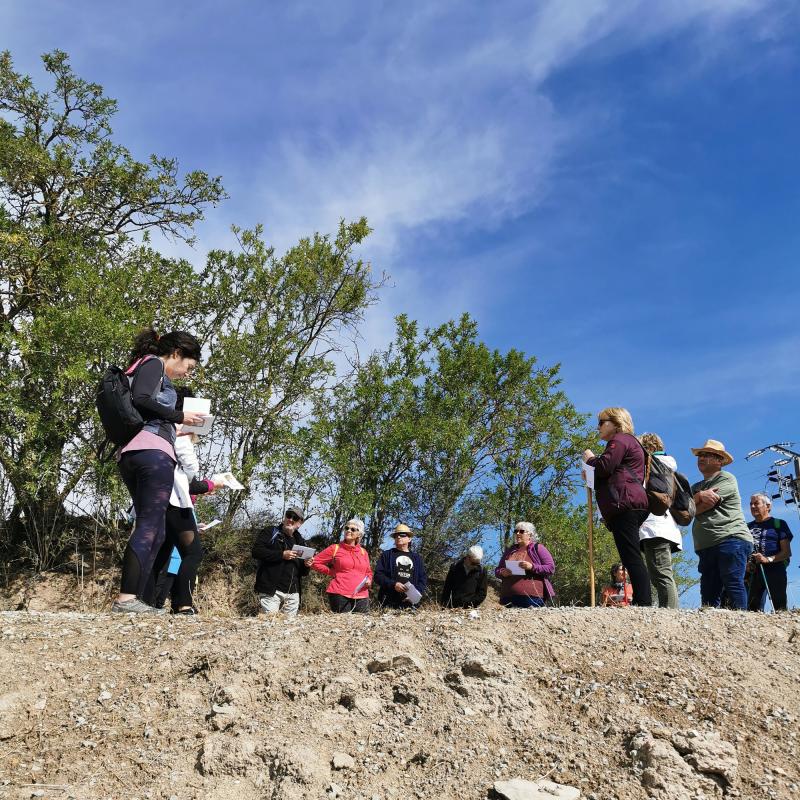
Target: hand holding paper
{"x": 412, "y": 593}
{"x": 304, "y": 552}
{"x": 515, "y": 567}
{"x": 588, "y": 474}
{"x": 198, "y": 405}
{"x": 227, "y": 479}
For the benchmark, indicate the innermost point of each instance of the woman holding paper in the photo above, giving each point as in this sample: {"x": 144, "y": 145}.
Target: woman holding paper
{"x": 526, "y": 568}
{"x": 348, "y": 564}
{"x": 181, "y": 523}
{"x": 147, "y": 462}
{"x": 619, "y": 488}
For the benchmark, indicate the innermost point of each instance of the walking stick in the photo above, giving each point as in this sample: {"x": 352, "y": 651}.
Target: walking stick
{"x": 591, "y": 546}
{"x": 766, "y": 586}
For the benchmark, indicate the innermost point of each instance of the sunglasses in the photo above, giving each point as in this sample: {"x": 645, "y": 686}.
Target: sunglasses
{"x": 294, "y": 518}
{"x": 352, "y": 529}
{"x": 402, "y": 535}
{"x": 519, "y": 530}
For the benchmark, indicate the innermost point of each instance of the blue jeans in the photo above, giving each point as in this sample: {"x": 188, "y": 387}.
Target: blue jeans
{"x": 722, "y": 566}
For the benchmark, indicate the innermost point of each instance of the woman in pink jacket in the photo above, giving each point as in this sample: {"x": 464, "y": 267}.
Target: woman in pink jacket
{"x": 348, "y": 563}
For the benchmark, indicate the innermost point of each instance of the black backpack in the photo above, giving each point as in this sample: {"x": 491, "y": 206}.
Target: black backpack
{"x": 682, "y": 508}
{"x": 121, "y": 419}
{"x": 659, "y": 484}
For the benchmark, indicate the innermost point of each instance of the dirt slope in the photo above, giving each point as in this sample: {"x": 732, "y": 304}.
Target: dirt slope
{"x": 620, "y": 704}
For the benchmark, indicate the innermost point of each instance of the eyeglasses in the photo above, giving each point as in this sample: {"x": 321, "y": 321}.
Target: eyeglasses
{"x": 520, "y": 530}
{"x": 352, "y": 529}
{"x": 709, "y": 455}
{"x": 293, "y": 517}
{"x": 402, "y": 535}
{"x": 602, "y": 421}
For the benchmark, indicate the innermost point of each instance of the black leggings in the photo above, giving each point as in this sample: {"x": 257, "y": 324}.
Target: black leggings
{"x": 181, "y": 533}
{"x": 625, "y": 529}
{"x": 149, "y": 475}
{"x": 344, "y": 605}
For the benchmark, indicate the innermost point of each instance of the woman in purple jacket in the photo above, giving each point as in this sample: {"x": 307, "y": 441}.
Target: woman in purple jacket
{"x": 529, "y": 586}
{"x": 618, "y": 485}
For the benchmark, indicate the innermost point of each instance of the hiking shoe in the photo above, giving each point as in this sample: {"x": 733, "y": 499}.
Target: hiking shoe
{"x": 135, "y": 606}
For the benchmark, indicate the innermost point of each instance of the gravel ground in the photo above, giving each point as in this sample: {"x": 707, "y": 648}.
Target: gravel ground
{"x": 629, "y": 703}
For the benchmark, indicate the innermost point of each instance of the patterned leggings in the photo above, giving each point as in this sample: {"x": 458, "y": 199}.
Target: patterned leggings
{"x": 149, "y": 475}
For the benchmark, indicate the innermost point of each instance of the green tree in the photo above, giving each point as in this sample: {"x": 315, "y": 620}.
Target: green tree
{"x": 273, "y": 328}
{"x": 371, "y": 433}
{"x": 77, "y": 278}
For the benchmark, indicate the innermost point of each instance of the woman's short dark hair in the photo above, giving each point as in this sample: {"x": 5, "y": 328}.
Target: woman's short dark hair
{"x": 149, "y": 343}
{"x": 615, "y": 568}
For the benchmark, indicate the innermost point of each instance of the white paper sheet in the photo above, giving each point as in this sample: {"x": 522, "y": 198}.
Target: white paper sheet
{"x": 588, "y": 473}
{"x": 412, "y": 593}
{"x": 197, "y": 405}
{"x": 514, "y": 568}
{"x": 362, "y": 584}
{"x": 229, "y": 479}
{"x": 304, "y": 552}
{"x": 202, "y": 429}
{"x": 204, "y": 526}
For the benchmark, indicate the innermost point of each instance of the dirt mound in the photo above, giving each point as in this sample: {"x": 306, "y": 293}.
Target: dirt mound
{"x": 618, "y": 704}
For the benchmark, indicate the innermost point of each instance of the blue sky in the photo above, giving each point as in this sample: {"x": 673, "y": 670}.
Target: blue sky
{"x": 612, "y": 185}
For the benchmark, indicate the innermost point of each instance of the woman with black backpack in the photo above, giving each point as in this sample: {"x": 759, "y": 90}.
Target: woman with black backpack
{"x": 619, "y": 487}
{"x": 147, "y": 462}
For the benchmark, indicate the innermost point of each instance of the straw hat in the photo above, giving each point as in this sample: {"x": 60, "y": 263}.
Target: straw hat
{"x": 402, "y": 529}
{"x": 713, "y": 446}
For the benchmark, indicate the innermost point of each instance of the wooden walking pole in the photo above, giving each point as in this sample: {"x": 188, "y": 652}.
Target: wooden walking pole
{"x": 591, "y": 546}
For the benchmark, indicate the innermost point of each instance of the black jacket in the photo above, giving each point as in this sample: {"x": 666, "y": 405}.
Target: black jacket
{"x": 275, "y": 573}
{"x": 464, "y": 589}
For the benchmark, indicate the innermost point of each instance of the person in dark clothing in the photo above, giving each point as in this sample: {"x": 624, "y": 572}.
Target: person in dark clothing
{"x": 147, "y": 462}
{"x": 771, "y": 554}
{"x": 280, "y": 568}
{"x": 618, "y": 483}
{"x": 397, "y": 568}
{"x": 466, "y": 581}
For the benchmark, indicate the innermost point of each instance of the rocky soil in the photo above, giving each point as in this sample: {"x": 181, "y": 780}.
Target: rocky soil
{"x": 619, "y": 704}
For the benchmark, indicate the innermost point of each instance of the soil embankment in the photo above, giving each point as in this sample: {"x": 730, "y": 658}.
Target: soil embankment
{"x": 621, "y": 704}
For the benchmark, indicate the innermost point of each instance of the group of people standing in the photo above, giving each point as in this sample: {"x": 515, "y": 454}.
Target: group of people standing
{"x": 740, "y": 564}
{"x": 159, "y": 468}
{"x": 400, "y": 572}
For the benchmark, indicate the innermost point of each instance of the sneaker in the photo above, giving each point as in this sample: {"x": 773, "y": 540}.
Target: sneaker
{"x": 135, "y": 606}
{"x": 185, "y": 612}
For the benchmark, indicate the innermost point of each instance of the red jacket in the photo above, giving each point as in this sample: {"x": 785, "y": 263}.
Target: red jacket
{"x": 618, "y": 476}
{"x": 348, "y": 564}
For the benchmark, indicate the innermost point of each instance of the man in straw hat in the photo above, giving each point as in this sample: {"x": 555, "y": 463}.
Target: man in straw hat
{"x": 722, "y": 540}
{"x": 397, "y": 568}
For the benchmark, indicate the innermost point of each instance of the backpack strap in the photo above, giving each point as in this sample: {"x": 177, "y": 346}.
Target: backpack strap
{"x": 335, "y": 551}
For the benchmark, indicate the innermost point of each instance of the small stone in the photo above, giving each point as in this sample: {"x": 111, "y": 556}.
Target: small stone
{"x": 343, "y": 761}
{"x": 104, "y": 695}
{"x": 334, "y": 790}
{"x": 519, "y": 789}
{"x": 380, "y": 663}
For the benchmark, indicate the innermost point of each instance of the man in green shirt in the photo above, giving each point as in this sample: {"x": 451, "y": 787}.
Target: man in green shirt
{"x": 722, "y": 540}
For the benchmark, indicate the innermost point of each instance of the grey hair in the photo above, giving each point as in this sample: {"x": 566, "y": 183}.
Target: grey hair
{"x": 358, "y": 523}
{"x": 530, "y": 528}
{"x": 767, "y": 499}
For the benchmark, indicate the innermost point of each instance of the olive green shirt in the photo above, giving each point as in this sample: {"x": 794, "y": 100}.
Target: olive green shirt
{"x": 725, "y": 519}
